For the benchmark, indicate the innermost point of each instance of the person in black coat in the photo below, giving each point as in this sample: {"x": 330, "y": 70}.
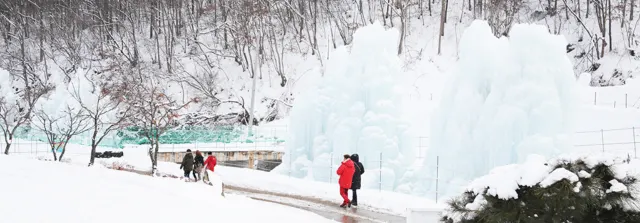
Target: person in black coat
{"x": 357, "y": 179}
{"x": 197, "y": 165}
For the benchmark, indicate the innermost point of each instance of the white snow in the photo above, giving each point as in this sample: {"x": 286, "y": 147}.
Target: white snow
{"x": 616, "y": 187}
{"x": 57, "y": 192}
{"x": 355, "y": 108}
{"x": 503, "y": 181}
{"x": 384, "y": 201}
{"x": 510, "y": 97}
{"x": 558, "y": 175}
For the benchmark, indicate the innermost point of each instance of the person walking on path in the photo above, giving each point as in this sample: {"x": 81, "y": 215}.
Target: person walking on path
{"x": 209, "y": 164}
{"x": 346, "y": 171}
{"x": 187, "y": 164}
{"x": 199, "y": 163}
{"x": 356, "y": 182}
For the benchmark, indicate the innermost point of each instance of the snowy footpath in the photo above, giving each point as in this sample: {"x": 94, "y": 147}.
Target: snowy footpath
{"x": 63, "y": 193}
{"x": 383, "y": 206}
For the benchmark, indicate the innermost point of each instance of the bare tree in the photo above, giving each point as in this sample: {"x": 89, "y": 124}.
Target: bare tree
{"x": 500, "y": 15}
{"x": 60, "y": 128}
{"x": 46, "y": 124}
{"x": 104, "y": 108}
{"x": 442, "y": 18}
{"x": 154, "y": 111}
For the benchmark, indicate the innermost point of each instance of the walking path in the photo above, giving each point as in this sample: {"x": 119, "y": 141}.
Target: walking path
{"x": 326, "y": 209}
{"x": 329, "y": 210}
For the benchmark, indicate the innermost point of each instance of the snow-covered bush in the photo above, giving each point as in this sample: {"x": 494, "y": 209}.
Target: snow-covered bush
{"x": 583, "y": 189}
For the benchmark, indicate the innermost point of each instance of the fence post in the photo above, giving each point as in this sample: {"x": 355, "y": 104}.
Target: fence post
{"x": 290, "y": 164}
{"x": 437, "y": 175}
{"x": 380, "y": 181}
{"x": 595, "y": 98}
{"x": 602, "y": 138}
{"x": 635, "y": 152}
{"x": 614, "y": 104}
{"x": 625, "y": 101}
{"x": 331, "y": 168}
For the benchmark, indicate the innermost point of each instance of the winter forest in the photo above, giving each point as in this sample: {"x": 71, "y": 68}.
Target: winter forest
{"x": 431, "y": 94}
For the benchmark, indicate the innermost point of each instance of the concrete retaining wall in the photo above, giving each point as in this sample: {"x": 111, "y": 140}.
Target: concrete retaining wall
{"x": 262, "y": 160}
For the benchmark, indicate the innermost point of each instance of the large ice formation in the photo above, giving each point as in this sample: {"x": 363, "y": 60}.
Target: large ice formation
{"x": 510, "y": 97}
{"x": 354, "y": 109}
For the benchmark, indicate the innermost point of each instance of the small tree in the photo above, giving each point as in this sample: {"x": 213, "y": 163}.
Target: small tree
{"x": 46, "y": 123}
{"x": 154, "y": 111}
{"x": 104, "y": 109}
{"x": 17, "y": 102}
{"x": 60, "y": 119}
{"x": 60, "y": 127}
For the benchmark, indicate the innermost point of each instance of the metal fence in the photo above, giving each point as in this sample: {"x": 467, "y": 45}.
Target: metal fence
{"x": 617, "y": 101}
{"x": 622, "y": 141}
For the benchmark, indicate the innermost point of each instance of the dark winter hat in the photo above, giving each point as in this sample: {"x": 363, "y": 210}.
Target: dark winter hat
{"x": 355, "y": 157}
{"x": 188, "y": 150}
{"x": 209, "y": 153}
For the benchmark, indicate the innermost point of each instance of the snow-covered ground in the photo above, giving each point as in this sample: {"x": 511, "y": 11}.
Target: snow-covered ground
{"x": 34, "y": 191}
{"x": 384, "y": 201}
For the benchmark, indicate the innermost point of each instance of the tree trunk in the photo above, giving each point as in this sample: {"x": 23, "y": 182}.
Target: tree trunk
{"x": 624, "y": 13}
{"x": 155, "y": 156}
{"x": 442, "y": 18}
{"x": 53, "y": 151}
{"x": 586, "y": 15}
{"x": 633, "y": 3}
{"x": 8, "y": 146}
{"x": 64, "y": 149}
{"x": 93, "y": 153}
{"x": 610, "y": 38}
{"x": 6, "y": 149}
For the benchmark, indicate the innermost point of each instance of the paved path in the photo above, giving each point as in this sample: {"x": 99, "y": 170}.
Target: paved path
{"x": 329, "y": 210}
{"x": 326, "y": 209}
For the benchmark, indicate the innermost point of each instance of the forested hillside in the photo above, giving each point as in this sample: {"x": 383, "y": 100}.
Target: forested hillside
{"x": 204, "y": 53}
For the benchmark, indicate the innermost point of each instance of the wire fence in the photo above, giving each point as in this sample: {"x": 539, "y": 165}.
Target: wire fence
{"x": 621, "y": 141}
{"x": 614, "y": 100}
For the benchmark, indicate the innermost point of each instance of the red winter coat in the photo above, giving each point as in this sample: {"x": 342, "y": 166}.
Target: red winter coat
{"x": 210, "y": 163}
{"x": 346, "y": 171}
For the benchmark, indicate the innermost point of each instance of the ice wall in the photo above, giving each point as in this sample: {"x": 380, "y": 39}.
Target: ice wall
{"x": 509, "y": 98}
{"x": 355, "y": 108}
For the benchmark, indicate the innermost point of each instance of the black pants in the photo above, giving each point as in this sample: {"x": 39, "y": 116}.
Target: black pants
{"x": 196, "y": 175}
{"x": 187, "y": 173}
{"x": 354, "y": 200}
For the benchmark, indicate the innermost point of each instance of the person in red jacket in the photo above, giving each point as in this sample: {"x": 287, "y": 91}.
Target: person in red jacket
{"x": 346, "y": 171}
{"x": 209, "y": 164}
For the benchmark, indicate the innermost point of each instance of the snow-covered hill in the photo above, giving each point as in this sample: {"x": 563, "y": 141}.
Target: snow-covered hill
{"x": 211, "y": 50}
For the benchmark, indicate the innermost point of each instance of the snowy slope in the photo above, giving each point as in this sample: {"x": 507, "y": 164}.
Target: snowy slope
{"x": 62, "y": 193}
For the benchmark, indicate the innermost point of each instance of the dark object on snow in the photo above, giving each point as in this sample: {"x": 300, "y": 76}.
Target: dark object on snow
{"x": 109, "y": 154}
{"x": 593, "y": 67}
{"x": 357, "y": 179}
{"x": 570, "y": 47}
{"x": 187, "y": 162}
{"x": 198, "y": 164}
